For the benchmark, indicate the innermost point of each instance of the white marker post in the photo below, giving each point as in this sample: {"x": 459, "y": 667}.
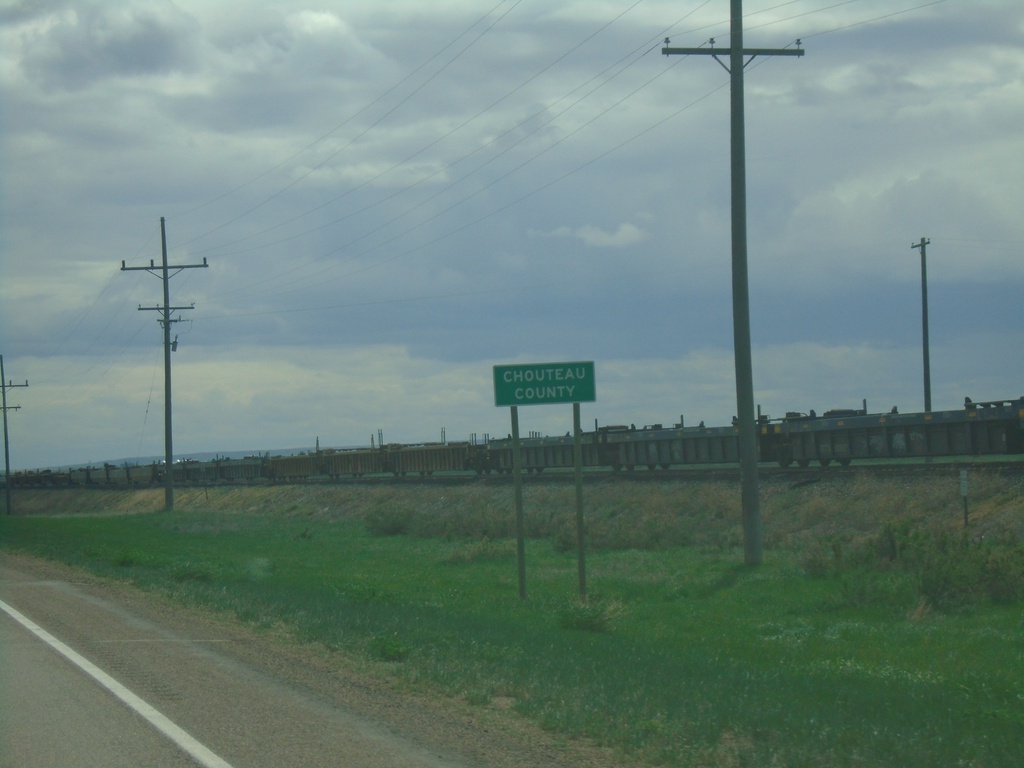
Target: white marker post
{"x": 963, "y": 493}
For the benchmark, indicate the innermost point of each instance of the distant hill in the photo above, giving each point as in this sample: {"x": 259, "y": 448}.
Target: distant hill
{"x": 144, "y": 461}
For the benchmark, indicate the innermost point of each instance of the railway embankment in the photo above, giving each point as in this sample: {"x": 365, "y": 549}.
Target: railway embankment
{"x": 796, "y": 509}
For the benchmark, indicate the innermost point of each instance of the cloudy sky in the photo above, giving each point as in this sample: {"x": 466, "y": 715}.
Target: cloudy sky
{"x": 393, "y": 196}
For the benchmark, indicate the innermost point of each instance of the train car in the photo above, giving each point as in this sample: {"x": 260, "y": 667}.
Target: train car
{"x": 194, "y": 472}
{"x": 989, "y": 428}
{"x": 428, "y": 458}
{"x": 332, "y": 464}
{"x": 655, "y": 446}
{"x": 294, "y": 468}
{"x": 352, "y": 463}
{"x": 540, "y": 453}
{"x": 79, "y": 476}
{"x": 130, "y": 475}
{"x": 116, "y": 475}
{"x": 228, "y": 470}
{"x": 34, "y": 478}
{"x": 994, "y": 427}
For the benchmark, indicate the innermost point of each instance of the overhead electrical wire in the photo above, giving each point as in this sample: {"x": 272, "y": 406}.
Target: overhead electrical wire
{"x": 68, "y": 373}
{"x": 429, "y": 146}
{"x": 409, "y": 210}
{"x": 496, "y": 211}
{"x": 374, "y": 124}
{"x": 77, "y": 324}
{"x": 478, "y": 149}
{"x": 319, "y": 273}
{"x": 873, "y": 19}
{"x": 483, "y": 111}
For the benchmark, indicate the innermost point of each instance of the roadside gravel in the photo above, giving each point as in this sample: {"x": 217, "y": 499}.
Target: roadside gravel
{"x": 488, "y": 736}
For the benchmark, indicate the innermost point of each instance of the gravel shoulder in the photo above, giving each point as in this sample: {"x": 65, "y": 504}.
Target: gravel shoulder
{"x": 443, "y": 730}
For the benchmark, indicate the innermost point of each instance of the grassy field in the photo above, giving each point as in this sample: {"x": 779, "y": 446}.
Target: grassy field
{"x": 877, "y": 632}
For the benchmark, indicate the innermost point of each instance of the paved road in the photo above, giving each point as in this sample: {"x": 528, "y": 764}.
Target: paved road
{"x": 53, "y": 715}
{"x": 199, "y": 675}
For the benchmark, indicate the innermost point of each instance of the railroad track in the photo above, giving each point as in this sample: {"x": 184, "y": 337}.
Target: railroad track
{"x": 794, "y": 476}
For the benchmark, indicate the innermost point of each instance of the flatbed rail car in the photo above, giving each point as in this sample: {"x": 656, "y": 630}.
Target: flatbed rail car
{"x": 428, "y": 458}
{"x": 334, "y": 464}
{"x": 219, "y": 470}
{"x": 623, "y": 447}
{"x": 978, "y": 429}
{"x": 393, "y": 458}
{"x": 657, "y": 446}
{"x": 539, "y": 453}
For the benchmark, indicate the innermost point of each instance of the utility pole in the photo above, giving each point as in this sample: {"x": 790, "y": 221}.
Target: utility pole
{"x": 5, "y": 385}
{"x": 164, "y": 273}
{"x": 925, "y": 242}
{"x": 746, "y": 421}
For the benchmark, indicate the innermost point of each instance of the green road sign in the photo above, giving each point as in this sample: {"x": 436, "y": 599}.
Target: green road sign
{"x": 544, "y": 383}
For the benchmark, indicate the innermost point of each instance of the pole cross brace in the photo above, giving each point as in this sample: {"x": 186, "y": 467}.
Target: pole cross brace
{"x": 715, "y": 52}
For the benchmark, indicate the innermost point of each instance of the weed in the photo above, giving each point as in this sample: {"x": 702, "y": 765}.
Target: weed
{"x": 126, "y": 559}
{"x": 821, "y": 559}
{"x": 389, "y": 521}
{"x": 590, "y": 616}
{"x": 484, "y": 550}
{"x": 956, "y": 572}
{"x": 388, "y": 648}
{"x": 192, "y": 571}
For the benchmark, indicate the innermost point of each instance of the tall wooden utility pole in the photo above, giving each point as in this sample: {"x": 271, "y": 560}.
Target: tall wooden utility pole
{"x": 925, "y": 242}
{"x": 5, "y": 385}
{"x": 746, "y": 420}
{"x": 164, "y": 273}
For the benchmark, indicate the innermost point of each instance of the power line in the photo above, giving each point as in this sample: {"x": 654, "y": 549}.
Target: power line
{"x": 373, "y": 125}
{"x": 419, "y": 152}
{"x": 552, "y": 116}
{"x": 432, "y": 144}
{"x": 869, "y": 21}
{"x": 443, "y": 169}
{"x": 479, "y": 220}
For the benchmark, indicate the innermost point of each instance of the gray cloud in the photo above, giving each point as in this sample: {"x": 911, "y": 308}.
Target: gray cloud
{"x": 72, "y": 46}
{"x": 402, "y": 194}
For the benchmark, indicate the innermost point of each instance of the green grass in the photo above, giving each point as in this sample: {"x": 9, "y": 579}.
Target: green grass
{"x": 830, "y": 654}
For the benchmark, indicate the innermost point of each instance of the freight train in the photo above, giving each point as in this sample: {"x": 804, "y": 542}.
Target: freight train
{"x": 993, "y": 428}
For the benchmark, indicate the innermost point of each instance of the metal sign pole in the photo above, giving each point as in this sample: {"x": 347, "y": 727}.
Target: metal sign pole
{"x": 581, "y": 536}
{"x": 517, "y": 475}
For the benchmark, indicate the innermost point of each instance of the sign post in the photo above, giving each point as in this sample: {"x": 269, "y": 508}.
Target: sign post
{"x": 545, "y": 384}
{"x": 517, "y": 479}
{"x": 581, "y": 535}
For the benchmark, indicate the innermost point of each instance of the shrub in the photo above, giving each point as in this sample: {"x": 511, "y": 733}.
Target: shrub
{"x": 1003, "y": 573}
{"x": 952, "y": 571}
{"x": 388, "y": 648}
{"x": 592, "y": 616}
{"x": 821, "y": 559}
{"x": 484, "y": 550}
{"x": 388, "y": 521}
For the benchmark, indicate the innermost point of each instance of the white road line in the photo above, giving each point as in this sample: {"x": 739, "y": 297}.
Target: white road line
{"x": 197, "y": 751}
